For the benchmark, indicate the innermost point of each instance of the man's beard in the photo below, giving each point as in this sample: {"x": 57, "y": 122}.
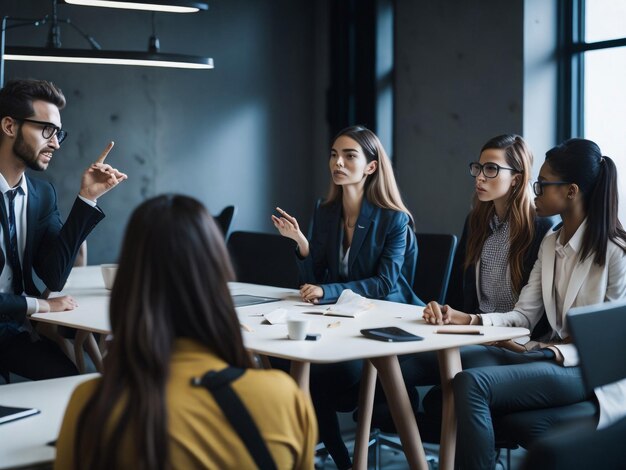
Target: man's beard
{"x": 26, "y": 153}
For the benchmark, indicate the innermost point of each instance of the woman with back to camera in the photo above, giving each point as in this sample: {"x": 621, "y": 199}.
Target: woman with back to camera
{"x": 363, "y": 240}
{"x": 173, "y": 320}
{"x": 583, "y": 262}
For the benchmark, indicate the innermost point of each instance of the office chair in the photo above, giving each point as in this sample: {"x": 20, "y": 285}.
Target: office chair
{"x": 225, "y": 219}
{"x": 434, "y": 264}
{"x": 309, "y": 232}
{"x": 264, "y": 258}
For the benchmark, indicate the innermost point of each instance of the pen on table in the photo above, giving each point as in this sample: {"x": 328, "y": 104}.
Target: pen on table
{"x": 459, "y": 332}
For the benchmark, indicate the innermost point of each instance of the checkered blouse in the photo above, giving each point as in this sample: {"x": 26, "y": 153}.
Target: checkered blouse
{"x": 495, "y": 290}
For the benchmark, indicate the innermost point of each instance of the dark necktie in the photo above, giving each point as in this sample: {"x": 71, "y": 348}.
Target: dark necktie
{"x": 12, "y": 250}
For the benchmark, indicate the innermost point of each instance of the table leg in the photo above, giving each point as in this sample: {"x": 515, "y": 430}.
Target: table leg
{"x": 265, "y": 361}
{"x": 85, "y": 339}
{"x": 449, "y": 366}
{"x": 91, "y": 345}
{"x": 300, "y": 372}
{"x": 401, "y": 410}
{"x": 79, "y": 339}
{"x": 366, "y": 404}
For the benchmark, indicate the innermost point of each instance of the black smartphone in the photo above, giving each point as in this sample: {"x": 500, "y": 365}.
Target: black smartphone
{"x": 390, "y": 334}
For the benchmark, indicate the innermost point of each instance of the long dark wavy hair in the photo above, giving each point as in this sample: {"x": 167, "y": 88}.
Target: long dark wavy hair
{"x": 520, "y": 209}
{"x": 171, "y": 283}
{"x": 580, "y": 161}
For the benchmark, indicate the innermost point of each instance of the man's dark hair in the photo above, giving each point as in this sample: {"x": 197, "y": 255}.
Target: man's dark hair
{"x": 17, "y": 96}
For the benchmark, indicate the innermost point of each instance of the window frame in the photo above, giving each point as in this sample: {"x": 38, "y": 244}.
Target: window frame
{"x": 571, "y": 96}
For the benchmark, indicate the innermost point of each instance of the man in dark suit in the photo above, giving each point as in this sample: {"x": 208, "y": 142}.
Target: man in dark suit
{"x": 33, "y": 240}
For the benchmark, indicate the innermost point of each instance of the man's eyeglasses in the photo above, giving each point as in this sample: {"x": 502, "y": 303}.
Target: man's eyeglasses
{"x": 538, "y": 185}
{"x": 490, "y": 170}
{"x": 49, "y": 130}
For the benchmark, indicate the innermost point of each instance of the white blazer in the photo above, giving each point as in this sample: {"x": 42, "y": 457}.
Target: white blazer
{"x": 590, "y": 284}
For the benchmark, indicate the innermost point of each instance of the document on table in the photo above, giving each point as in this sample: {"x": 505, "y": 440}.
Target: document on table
{"x": 348, "y": 304}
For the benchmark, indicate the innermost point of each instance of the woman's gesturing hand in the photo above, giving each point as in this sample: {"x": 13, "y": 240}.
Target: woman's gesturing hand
{"x": 288, "y": 227}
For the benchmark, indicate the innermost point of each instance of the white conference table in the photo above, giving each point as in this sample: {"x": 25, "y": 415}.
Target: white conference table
{"x": 23, "y": 443}
{"x": 337, "y": 344}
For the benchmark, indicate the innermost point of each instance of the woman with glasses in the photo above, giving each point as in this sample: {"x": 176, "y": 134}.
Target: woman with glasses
{"x": 363, "y": 240}
{"x": 496, "y": 253}
{"x": 502, "y": 233}
{"x": 174, "y": 326}
{"x": 583, "y": 262}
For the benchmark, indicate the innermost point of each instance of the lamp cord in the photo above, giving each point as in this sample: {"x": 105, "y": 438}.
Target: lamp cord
{"x": 153, "y": 43}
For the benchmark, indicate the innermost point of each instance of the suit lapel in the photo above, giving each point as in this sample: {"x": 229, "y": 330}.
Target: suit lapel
{"x": 360, "y": 231}
{"x": 547, "y": 276}
{"x": 32, "y": 206}
{"x": 581, "y": 270}
{"x": 5, "y": 229}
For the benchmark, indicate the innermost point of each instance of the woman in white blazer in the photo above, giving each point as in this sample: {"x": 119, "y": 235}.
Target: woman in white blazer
{"x": 582, "y": 262}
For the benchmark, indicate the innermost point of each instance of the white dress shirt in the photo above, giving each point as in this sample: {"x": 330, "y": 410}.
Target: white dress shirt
{"x": 564, "y": 263}
{"x": 612, "y": 402}
{"x": 20, "y": 205}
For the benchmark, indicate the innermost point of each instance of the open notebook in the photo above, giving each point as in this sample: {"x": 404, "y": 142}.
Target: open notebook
{"x": 348, "y": 304}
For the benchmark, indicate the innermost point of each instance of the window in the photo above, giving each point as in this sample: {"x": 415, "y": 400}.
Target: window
{"x": 594, "y": 67}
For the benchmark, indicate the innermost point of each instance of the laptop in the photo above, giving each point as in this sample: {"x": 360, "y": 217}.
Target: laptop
{"x": 243, "y": 300}
{"x": 599, "y": 332}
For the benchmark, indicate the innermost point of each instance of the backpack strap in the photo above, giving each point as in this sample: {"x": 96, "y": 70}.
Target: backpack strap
{"x": 218, "y": 384}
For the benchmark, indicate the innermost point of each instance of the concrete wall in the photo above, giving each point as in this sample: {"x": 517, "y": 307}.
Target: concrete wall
{"x": 240, "y": 133}
{"x": 459, "y": 82}
{"x": 253, "y": 131}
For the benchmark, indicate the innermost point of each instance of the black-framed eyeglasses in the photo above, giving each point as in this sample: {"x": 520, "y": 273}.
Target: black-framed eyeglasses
{"x": 489, "y": 169}
{"x": 48, "y": 130}
{"x": 538, "y": 185}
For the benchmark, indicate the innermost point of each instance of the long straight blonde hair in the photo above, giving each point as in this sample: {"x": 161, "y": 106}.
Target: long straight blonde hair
{"x": 520, "y": 210}
{"x": 381, "y": 188}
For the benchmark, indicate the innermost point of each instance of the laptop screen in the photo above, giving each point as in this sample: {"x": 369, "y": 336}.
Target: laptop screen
{"x": 599, "y": 333}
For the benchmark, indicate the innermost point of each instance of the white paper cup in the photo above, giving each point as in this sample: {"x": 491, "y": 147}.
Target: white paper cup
{"x": 108, "y": 274}
{"x": 297, "y": 328}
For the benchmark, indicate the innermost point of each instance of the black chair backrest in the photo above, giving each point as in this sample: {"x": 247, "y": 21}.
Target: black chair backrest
{"x": 309, "y": 233}
{"x": 599, "y": 333}
{"x": 225, "y": 219}
{"x": 434, "y": 263}
{"x": 264, "y": 258}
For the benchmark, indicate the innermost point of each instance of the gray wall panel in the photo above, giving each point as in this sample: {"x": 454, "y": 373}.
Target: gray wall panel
{"x": 237, "y": 134}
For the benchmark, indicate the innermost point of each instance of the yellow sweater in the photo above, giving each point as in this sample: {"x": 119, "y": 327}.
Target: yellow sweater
{"x": 200, "y": 436}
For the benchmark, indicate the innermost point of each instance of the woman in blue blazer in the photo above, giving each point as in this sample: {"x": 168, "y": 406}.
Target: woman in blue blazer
{"x": 362, "y": 234}
{"x": 362, "y": 240}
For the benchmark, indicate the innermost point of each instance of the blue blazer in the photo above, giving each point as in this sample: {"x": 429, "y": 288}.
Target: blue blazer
{"x": 382, "y": 259}
{"x": 51, "y": 246}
